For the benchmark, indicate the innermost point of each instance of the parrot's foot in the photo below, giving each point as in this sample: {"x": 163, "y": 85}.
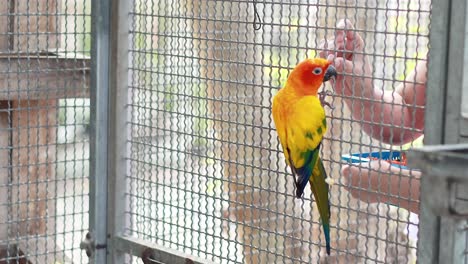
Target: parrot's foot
{"x": 322, "y": 96}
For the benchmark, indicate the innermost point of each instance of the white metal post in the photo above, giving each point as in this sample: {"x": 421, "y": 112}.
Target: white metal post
{"x": 118, "y": 128}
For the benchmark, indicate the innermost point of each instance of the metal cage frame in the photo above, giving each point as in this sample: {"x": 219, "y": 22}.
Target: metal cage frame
{"x": 109, "y": 101}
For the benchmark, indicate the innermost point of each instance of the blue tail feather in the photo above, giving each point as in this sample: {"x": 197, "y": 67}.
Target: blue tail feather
{"x": 304, "y": 173}
{"x": 326, "y": 230}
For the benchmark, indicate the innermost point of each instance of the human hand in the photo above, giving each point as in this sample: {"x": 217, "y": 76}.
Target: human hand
{"x": 346, "y": 50}
{"x": 378, "y": 181}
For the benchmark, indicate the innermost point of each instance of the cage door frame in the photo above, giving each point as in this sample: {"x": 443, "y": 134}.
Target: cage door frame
{"x": 440, "y": 239}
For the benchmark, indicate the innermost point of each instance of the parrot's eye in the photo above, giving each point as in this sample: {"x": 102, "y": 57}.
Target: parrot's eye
{"x": 317, "y": 71}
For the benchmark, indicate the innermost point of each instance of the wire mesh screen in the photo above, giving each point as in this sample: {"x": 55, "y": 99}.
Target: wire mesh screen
{"x": 207, "y": 173}
{"x": 43, "y": 130}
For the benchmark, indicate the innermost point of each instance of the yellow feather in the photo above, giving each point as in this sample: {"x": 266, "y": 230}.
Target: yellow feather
{"x": 300, "y": 123}
{"x": 298, "y": 120}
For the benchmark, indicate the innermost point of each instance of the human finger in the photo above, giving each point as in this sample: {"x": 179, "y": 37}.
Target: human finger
{"x": 357, "y": 183}
{"x": 327, "y": 48}
{"x": 347, "y": 38}
{"x": 323, "y": 53}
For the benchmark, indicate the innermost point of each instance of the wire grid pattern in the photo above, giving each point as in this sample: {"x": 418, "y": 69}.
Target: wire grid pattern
{"x": 207, "y": 175}
{"x": 44, "y": 120}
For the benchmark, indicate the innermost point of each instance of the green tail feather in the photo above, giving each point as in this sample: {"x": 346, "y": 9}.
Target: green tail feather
{"x": 320, "y": 189}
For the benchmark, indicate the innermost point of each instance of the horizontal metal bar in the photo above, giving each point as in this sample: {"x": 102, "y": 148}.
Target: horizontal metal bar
{"x": 446, "y": 166}
{"x": 446, "y": 161}
{"x": 138, "y": 247}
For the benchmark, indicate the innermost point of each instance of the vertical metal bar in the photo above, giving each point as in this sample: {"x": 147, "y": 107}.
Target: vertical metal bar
{"x": 452, "y": 240}
{"x": 437, "y": 71}
{"x": 444, "y": 87}
{"x": 464, "y": 91}
{"x": 428, "y": 241}
{"x": 118, "y": 118}
{"x": 99, "y": 128}
{"x": 455, "y": 71}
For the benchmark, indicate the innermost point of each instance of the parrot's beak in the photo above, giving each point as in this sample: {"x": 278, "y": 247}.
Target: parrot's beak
{"x": 331, "y": 72}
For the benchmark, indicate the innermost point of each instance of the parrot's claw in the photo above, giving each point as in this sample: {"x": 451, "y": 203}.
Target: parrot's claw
{"x": 322, "y": 96}
{"x": 324, "y": 103}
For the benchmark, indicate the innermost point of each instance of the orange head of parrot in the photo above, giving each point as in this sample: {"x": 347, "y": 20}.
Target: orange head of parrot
{"x": 308, "y": 75}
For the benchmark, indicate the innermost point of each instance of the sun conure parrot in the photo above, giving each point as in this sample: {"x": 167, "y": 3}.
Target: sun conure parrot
{"x": 300, "y": 122}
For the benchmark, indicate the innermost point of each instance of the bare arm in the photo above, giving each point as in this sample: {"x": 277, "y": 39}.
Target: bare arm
{"x": 389, "y": 116}
{"x": 395, "y": 117}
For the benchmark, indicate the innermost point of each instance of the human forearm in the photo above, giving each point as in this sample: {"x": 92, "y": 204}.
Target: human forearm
{"x": 385, "y": 117}
{"x": 394, "y": 117}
